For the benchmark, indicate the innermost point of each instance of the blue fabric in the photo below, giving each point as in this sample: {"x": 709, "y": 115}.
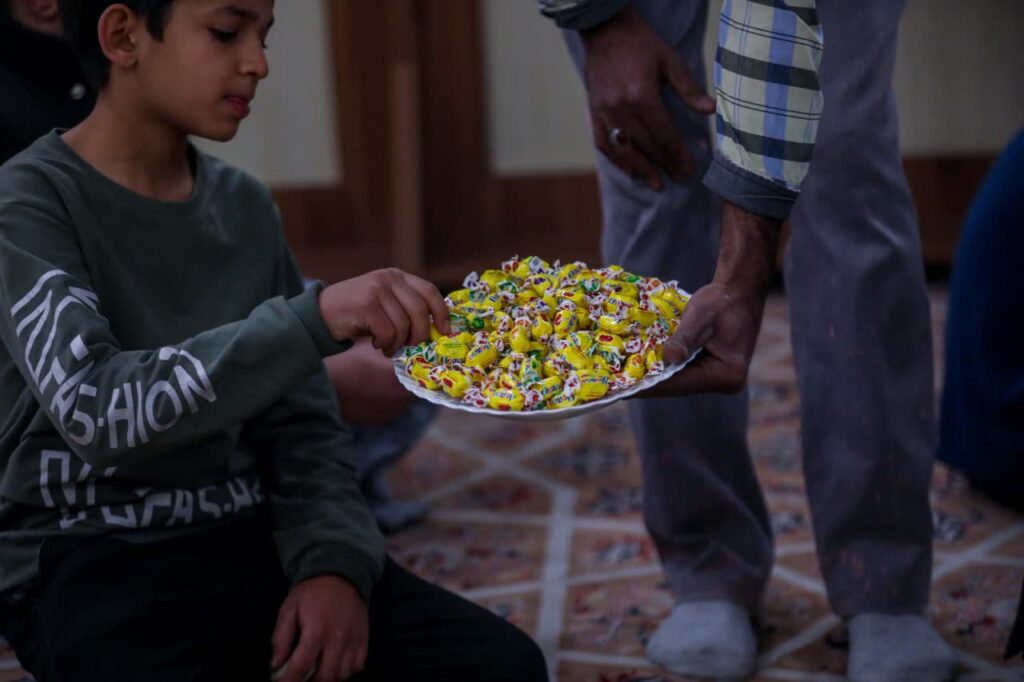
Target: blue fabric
{"x": 982, "y": 427}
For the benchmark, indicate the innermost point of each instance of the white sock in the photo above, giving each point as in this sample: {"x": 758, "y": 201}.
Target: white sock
{"x": 903, "y": 648}
{"x": 706, "y": 639}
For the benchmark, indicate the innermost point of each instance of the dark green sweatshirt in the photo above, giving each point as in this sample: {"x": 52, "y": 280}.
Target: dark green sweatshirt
{"x": 160, "y": 371}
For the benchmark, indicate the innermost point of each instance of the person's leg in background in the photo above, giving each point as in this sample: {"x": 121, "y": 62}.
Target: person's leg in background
{"x": 386, "y": 421}
{"x": 862, "y": 346}
{"x": 703, "y": 505}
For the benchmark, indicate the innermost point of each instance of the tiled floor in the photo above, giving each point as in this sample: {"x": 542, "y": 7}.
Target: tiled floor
{"x": 541, "y": 523}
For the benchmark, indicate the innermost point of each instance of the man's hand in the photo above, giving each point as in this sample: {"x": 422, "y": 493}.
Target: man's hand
{"x": 725, "y": 323}
{"x": 392, "y": 307}
{"x": 626, "y": 65}
{"x": 330, "y": 619}
{"x": 724, "y": 317}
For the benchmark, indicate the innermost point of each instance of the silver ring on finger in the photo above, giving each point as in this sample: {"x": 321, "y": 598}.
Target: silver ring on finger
{"x": 618, "y": 138}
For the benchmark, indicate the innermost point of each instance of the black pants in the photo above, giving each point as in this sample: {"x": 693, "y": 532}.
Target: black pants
{"x": 203, "y": 607}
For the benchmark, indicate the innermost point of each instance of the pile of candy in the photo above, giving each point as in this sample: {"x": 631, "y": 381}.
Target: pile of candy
{"x": 534, "y": 336}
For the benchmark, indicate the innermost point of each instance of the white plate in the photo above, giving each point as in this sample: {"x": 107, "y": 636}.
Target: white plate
{"x": 445, "y": 400}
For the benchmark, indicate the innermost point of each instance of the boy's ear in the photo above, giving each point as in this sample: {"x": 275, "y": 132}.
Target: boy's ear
{"x": 117, "y": 32}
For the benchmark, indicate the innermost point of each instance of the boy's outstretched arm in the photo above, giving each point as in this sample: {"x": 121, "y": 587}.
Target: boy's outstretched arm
{"x": 114, "y": 405}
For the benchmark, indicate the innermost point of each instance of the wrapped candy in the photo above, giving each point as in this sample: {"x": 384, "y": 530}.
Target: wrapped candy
{"x": 506, "y": 399}
{"x": 594, "y": 384}
{"x": 455, "y": 348}
{"x": 481, "y": 356}
{"x": 455, "y": 383}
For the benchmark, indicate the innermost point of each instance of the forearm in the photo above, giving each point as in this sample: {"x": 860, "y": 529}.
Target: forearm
{"x": 747, "y": 250}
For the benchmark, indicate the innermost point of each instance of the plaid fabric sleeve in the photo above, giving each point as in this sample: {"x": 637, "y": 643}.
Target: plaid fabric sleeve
{"x": 579, "y": 15}
{"x": 769, "y": 102}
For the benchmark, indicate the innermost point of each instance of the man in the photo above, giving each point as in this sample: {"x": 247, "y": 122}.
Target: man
{"x": 42, "y": 83}
{"x": 857, "y": 294}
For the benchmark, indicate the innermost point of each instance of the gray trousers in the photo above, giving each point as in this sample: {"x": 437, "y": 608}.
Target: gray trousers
{"x": 861, "y": 341}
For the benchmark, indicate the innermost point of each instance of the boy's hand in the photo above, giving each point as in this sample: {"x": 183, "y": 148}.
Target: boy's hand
{"x": 392, "y": 307}
{"x": 331, "y": 621}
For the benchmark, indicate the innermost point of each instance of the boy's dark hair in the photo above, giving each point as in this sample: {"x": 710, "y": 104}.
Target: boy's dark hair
{"x": 81, "y": 20}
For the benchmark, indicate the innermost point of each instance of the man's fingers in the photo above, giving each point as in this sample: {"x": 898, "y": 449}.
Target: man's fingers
{"x": 625, "y": 157}
{"x": 668, "y": 140}
{"x": 686, "y": 85}
{"x": 284, "y": 635}
{"x": 645, "y": 142}
{"x": 696, "y": 327}
{"x": 435, "y": 301}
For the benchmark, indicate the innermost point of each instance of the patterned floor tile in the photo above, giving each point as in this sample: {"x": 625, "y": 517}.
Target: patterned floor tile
{"x": 620, "y": 499}
{"x": 605, "y": 473}
{"x": 773, "y": 404}
{"x": 464, "y": 556}
{"x": 611, "y": 424}
{"x": 1013, "y": 549}
{"x": 586, "y": 461}
{"x": 776, "y": 453}
{"x": 615, "y": 617}
{"x": 974, "y": 608}
{"x": 788, "y": 612}
{"x": 500, "y": 493}
{"x": 962, "y": 516}
{"x": 595, "y": 551}
{"x": 805, "y": 564}
{"x": 791, "y": 520}
{"x": 428, "y": 466}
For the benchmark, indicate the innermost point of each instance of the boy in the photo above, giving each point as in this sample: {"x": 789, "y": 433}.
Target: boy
{"x": 178, "y": 501}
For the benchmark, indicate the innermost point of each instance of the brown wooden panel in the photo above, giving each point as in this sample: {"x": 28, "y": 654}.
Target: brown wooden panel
{"x": 554, "y": 217}
{"x": 456, "y": 171}
{"x": 943, "y": 187}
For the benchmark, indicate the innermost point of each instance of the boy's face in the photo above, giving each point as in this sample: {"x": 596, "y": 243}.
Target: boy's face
{"x": 203, "y": 74}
